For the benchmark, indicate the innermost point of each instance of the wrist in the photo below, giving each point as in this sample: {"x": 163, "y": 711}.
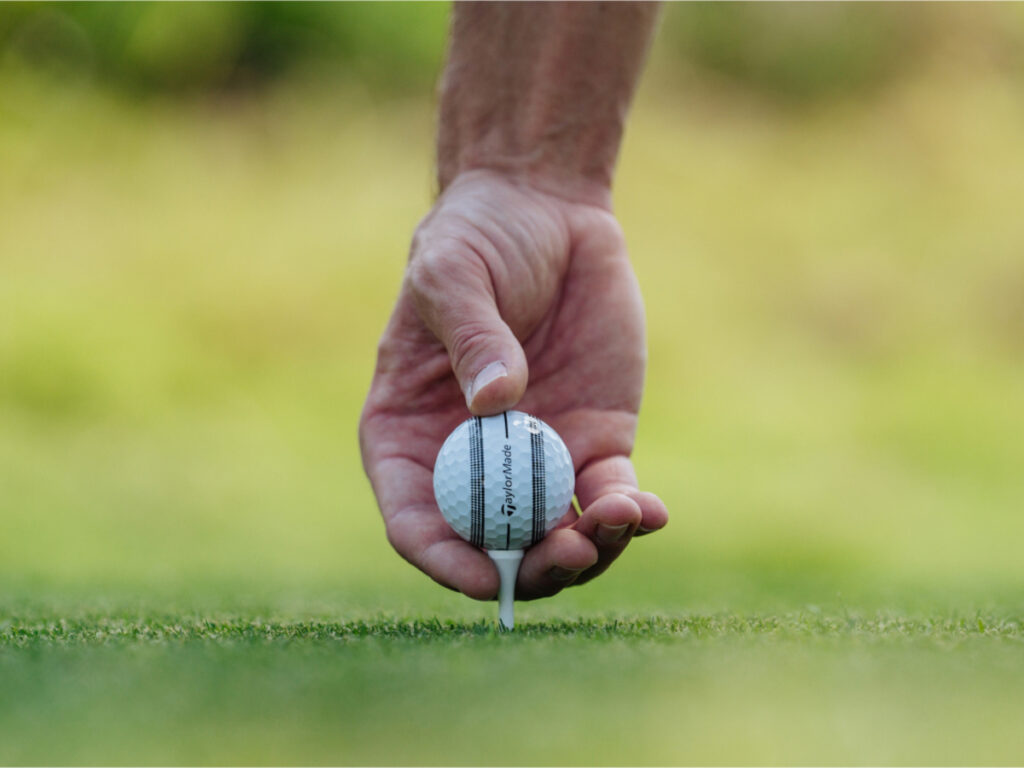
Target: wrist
{"x": 530, "y": 136}
{"x": 550, "y": 178}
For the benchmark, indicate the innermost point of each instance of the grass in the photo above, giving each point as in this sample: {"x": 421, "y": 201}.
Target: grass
{"x": 191, "y": 567}
{"x": 182, "y": 629}
{"x": 176, "y": 687}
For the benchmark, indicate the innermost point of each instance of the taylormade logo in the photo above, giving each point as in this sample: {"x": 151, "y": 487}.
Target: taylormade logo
{"x": 509, "y": 507}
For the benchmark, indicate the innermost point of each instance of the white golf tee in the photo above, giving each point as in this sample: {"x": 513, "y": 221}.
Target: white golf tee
{"x": 507, "y": 562}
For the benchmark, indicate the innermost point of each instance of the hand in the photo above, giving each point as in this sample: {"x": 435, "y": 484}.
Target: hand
{"x": 506, "y": 281}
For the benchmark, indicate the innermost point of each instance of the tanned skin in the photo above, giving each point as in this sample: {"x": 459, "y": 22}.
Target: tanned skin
{"x": 519, "y": 292}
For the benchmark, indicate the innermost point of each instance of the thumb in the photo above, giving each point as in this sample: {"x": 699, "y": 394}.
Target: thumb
{"x": 455, "y": 298}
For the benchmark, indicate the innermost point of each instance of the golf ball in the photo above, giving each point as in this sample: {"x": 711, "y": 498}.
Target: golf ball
{"x": 503, "y": 482}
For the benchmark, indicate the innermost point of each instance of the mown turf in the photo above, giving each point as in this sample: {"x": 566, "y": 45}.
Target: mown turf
{"x": 801, "y": 687}
{"x": 59, "y": 632}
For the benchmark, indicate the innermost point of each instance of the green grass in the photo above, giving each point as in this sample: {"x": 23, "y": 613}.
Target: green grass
{"x": 127, "y": 682}
{"x": 192, "y": 569}
{"x": 799, "y": 687}
{"x": 106, "y": 630}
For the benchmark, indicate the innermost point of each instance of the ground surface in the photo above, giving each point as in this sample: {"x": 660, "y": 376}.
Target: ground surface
{"x": 191, "y": 567}
{"x": 801, "y": 687}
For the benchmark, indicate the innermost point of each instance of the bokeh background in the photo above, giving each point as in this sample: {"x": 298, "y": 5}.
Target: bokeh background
{"x": 204, "y": 216}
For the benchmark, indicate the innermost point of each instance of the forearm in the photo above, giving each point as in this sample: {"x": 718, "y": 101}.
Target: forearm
{"x": 541, "y": 91}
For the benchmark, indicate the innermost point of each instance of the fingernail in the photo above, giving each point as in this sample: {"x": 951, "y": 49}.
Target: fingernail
{"x": 489, "y": 373}
{"x": 609, "y": 534}
{"x": 563, "y": 574}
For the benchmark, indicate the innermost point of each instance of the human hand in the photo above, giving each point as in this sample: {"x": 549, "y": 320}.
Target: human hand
{"x": 507, "y": 282}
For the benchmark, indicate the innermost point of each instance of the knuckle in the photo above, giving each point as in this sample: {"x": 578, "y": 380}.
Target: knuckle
{"x": 403, "y": 541}
{"x": 466, "y": 340}
{"x": 396, "y": 539}
{"x": 437, "y": 263}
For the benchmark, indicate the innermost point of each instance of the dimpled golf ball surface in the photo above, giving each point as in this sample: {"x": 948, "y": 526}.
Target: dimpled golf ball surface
{"x": 503, "y": 482}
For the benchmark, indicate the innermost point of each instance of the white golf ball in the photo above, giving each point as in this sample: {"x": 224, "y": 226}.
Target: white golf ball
{"x": 503, "y": 482}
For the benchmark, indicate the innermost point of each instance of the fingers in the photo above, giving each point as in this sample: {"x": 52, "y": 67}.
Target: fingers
{"x": 615, "y": 474}
{"x": 554, "y": 563}
{"x": 452, "y": 289}
{"x": 609, "y": 523}
{"x": 582, "y": 551}
{"x": 614, "y": 510}
{"x": 418, "y": 532}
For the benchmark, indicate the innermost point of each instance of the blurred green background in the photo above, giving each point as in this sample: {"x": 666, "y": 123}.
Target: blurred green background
{"x": 204, "y": 215}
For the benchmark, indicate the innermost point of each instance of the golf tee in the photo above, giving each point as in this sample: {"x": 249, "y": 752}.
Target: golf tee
{"x": 507, "y": 561}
